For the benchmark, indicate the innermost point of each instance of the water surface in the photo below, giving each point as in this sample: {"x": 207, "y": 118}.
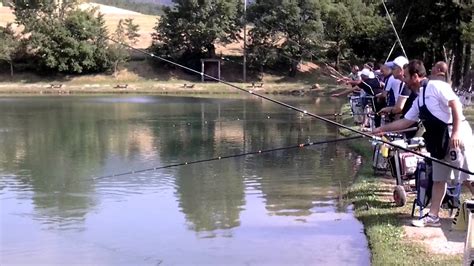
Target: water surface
{"x": 279, "y": 208}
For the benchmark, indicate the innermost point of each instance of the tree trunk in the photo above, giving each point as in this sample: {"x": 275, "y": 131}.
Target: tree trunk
{"x": 293, "y": 68}
{"x": 458, "y": 64}
{"x": 115, "y": 69}
{"x": 211, "y": 51}
{"x": 467, "y": 71}
{"x": 467, "y": 62}
{"x": 11, "y": 69}
{"x": 338, "y": 55}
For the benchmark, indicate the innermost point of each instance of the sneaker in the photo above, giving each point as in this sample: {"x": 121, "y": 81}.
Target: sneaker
{"x": 427, "y": 220}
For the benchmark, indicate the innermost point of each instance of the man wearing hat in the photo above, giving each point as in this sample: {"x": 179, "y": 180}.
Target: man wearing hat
{"x": 371, "y": 87}
{"x": 448, "y": 135}
{"x": 400, "y": 97}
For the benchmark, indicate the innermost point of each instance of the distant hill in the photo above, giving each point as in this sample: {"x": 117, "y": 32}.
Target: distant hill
{"x": 148, "y": 7}
{"x": 157, "y": 2}
{"x": 112, "y": 15}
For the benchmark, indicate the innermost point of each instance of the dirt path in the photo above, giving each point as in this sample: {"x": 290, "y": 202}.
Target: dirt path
{"x": 438, "y": 240}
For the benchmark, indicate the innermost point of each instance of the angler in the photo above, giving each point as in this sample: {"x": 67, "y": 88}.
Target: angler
{"x": 448, "y": 135}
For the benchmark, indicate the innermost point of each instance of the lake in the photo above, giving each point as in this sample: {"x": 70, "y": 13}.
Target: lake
{"x": 276, "y": 208}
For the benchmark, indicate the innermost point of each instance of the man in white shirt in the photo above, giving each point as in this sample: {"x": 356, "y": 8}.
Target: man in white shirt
{"x": 448, "y": 135}
{"x": 399, "y": 96}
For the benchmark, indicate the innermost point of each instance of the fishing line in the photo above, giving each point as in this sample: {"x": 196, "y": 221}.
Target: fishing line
{"x": 229, "y": 156}
{"x": 394, "y": 29}
{"x": 403, "y": 26}
{"x": 295, "y": 108}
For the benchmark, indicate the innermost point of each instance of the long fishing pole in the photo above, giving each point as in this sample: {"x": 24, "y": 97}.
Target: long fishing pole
{"x": 394, "y": 29}
{"x": 230, "y": 156}
{"x": 401, "y": 29}
{"x": 295, "y": 108}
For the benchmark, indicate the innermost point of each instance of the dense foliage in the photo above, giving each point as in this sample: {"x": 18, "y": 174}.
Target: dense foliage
{"x": 64, "y": 38}
{"x": 284, "y": 31}
{"x": 190, "y": 29}
{"x": 281, "y": 33}
{"x": 8, "y": 45}
{"x": 438, "y": 30}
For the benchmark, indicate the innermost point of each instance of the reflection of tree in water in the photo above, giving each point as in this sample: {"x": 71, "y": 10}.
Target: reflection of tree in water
{"x": 211, "y": 195}
{"x": 57, "y": 148}
{"x": 61, "y": 145}
{"x": 293, "y": 182}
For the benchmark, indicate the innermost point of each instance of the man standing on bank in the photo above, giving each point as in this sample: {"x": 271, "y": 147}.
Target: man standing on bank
{"x": 448, "y": 135}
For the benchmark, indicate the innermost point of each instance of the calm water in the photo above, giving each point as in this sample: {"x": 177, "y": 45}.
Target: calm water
{"x": 279, "y": 208}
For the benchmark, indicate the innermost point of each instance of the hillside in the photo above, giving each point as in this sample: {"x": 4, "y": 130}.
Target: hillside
{"x": 146, "y": 22}
{"x": 156, "y": 2}
{"x": 112, "y": 16}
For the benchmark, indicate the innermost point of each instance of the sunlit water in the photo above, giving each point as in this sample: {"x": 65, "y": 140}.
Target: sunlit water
{"x": 279, "y": 208}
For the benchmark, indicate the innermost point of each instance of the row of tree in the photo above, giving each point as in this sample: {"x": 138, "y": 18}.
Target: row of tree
{"x": 284, "y": 32}
{"x": 281, "y": 33}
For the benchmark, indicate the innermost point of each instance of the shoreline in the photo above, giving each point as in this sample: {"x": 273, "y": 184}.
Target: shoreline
{"x": 163, "y": 88}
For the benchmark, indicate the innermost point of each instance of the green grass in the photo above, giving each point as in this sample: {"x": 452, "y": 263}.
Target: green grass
{"x": 383, "y": 220}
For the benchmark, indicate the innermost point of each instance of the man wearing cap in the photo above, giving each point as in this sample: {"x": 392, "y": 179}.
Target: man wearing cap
{"x": 390, "y": 82}
{"x": 400, "y": 97}
{"x": 371, "y": 88}
{"x": 448, "y": 135}
{"x": 353, "y": 76}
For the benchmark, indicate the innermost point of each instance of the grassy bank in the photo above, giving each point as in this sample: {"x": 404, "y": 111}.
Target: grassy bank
{"x": 383, "y": 221}
{"x": 144, "y": 77}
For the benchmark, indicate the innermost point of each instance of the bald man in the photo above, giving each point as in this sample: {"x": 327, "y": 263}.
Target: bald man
{"x": 439, "y": 71}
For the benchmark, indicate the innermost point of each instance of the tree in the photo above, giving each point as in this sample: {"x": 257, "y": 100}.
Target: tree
{"x": 292, "y": 29}
{"x": 64, "y": 38}
{"x": 131, "y": 31}
{"x": 436, "y": 28}
{"x": 338, "y": 28}
{"x": 8, "y": 45}
{"x": 371, "y": 37}
{"x": 126, "y": 32}
{"x": 190, "y": 28}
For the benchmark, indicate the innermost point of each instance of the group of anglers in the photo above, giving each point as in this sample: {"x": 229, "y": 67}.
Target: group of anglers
{"x": 404, "y": 95}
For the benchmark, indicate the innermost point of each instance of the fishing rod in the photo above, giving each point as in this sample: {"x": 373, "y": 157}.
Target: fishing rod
{"x": 403, "y": 26}
{"x": 304, "y": 112}
{"x": 229, "y": 156}
{"x": 394, "y": 29}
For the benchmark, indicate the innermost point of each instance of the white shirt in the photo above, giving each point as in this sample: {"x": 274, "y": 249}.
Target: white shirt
{"x": 393, "y": 84}
{"x": 438, "y": 94}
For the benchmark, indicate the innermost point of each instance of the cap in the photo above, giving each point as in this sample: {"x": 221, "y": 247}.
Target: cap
{"x": 400, "y": 61}
{"x": 390, "y": 64}
{"x": 366, "y": 72}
